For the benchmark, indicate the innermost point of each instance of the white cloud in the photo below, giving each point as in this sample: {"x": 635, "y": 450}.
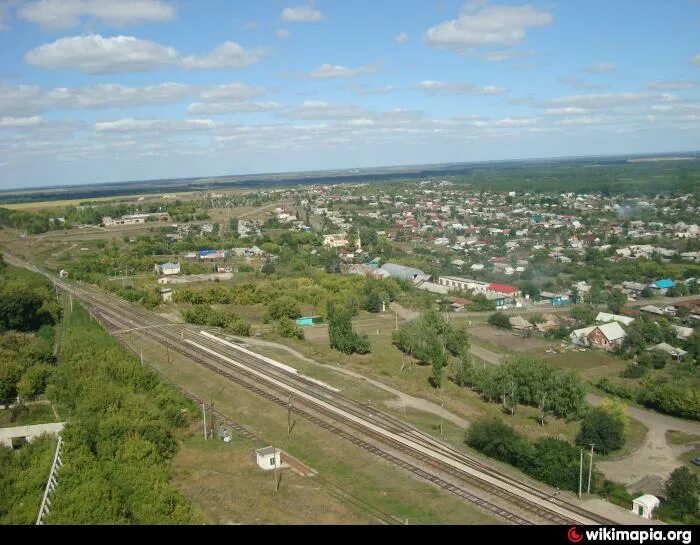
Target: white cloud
{"x": 446, "y": 88}
{"x": 251, "y": 25}
{"x": 20, "y": 100}
{"x": 515, "y": 122}
{"x": 232, "y": 92}
{"x": 571, "y": 110}
{"x": 94, "y": 54}
{"x": 587, "y": 120}
{"x": 317, "y": 109}
{"x": 282, "y": 33}
{"x": 302, "y": 14}
{"x": 231, "y": 97}
{"x": 696, "y": 60}
{"x": 482, "y": 25}
{"x": 131, "y": 125}
{"x": 97, "y": 55}
{"x": 329, "y": 71}
{"x": 401, "y": 38}
{"x": 501, "y": 55}
{"x": 31, "y": 99}
{"x": 115, "y": 95}
{"x": 213, "y": 108}
{"x": 611, "y": 100}
{"x": 671, "y": 85}
{"x": 367, "y": 90}
{"x": 14, "y": 122}
{"x": 600, "y": 68}
{"x": 227, "y": 55}
{"x": 126, "y": 125}
{"x": 60, "y": 14}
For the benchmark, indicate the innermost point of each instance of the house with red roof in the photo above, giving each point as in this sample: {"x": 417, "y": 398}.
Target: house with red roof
{"x": 503, "y": 289}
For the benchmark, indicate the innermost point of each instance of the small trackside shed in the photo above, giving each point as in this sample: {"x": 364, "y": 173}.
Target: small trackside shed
{"x": 268, "y": 458}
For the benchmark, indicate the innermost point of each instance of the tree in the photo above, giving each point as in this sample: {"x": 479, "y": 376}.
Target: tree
{"x": 584, "y": 314}
{"x": 682, "y": 489}
{"x": 616, "y": 301}
{"x": 268, "y": 268}
{"x": 282, "y": 307}
{"x": 340, "y": 332}
{"x": 498, "y": 440}
{"x": 604, "y": 428}
{"x": 499, "y": 319}
{"x": 287, "y": 328}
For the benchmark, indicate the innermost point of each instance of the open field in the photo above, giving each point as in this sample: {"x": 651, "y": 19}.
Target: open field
{"x": 227, "y": 486}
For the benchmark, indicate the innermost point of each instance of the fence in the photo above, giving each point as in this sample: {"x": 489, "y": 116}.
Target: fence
{"x": 51, "y": 484}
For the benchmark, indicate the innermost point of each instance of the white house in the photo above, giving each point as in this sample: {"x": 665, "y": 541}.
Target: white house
{"x": 606, "y": 317}
{"x": 606, "y": 336}
{"x": 644, "y": 505}
{"x": 269, "y": 458}
{"x": 168, "y": 269}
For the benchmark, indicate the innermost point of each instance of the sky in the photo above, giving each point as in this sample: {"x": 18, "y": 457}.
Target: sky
{"x": 96, "y": 91}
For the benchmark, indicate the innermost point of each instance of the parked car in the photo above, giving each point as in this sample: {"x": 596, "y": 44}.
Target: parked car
{"x": 695, "y": 461}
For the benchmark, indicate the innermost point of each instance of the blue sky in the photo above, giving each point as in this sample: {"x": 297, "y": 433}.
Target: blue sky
{"x": 98, "y": 90}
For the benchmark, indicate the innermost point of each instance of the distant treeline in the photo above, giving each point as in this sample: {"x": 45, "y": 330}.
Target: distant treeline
{"x": 607, "y": 175}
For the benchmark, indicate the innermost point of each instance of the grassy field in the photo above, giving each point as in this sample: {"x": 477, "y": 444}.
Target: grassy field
{"x": 385, "y": 363}
{"x": 31, "y": 414}
{"x": 675, "y": 437}
{"x": 228, "y": 487}
{"x": 360, "y": 473}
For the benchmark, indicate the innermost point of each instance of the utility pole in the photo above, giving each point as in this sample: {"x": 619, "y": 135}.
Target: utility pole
{"x": 274, "y": 459}
{"x": 580, "y": 475}
{"x": 590, "y": 469}
{"x": 70, "y": 296}
{"x": 204, "y": 416}
{"x": 442, "y": 407}
{"x": 142, "y": 356}
{"x": 289, "y": 416}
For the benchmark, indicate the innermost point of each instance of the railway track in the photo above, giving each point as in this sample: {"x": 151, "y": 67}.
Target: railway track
{"x": 383, "y": 435}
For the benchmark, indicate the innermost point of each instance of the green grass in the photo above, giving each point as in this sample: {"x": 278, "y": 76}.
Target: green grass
{"x": 675, "y": 437}
{"x": 28, "y": 415}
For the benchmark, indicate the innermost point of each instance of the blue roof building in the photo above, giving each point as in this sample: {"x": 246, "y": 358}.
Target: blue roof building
{"x": 664, "y": 284}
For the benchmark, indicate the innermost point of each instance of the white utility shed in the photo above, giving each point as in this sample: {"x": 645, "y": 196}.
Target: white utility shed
{"x": 644, "y": 505}
{"x": 268, "y": 458}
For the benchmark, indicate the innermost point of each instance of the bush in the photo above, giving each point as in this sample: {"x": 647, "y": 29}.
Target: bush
{"x": 499, "y": 319}
{"x": 287, "y": 328}
{"x": 635, "y": 370}
{"x": 498, "y": 440}
{"x": 618, "y": 390}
